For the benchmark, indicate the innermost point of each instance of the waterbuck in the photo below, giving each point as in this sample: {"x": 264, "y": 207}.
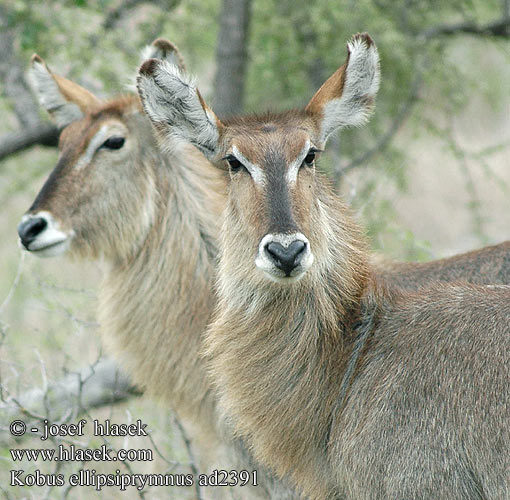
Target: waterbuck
{"x": 151, "y": 216}
{"x": 348, "y": 386}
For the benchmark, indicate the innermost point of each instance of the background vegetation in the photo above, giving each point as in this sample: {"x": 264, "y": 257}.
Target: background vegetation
{"x": 428, "y": 177}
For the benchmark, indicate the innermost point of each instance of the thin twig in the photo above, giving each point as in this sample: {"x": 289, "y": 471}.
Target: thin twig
{"x": 192, "y": 465}
{"x": 14, "y": 283}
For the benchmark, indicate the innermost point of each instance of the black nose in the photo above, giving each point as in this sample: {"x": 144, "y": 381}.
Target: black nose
{"x": 29, "y": 229}
{"x": 286, "y": 258}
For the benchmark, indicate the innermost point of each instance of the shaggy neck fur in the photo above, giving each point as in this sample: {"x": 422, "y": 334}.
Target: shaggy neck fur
{"x": 156, "y": 301}
{"x": 278, "y": 352}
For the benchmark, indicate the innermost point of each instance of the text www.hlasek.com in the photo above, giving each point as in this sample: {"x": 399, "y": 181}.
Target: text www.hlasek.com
{"x": 71, "y": 453}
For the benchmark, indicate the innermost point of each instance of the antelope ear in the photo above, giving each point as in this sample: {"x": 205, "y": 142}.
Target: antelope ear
{"x": 165, "y": 50}
{"x": 347, "y": 97}
{"x": 65, "y": 100}
{"x": 176, "y": 107}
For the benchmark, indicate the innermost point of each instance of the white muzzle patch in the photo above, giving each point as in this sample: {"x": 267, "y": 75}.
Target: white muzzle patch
{"x": 50, "y": 241}
{"x": 267, "y": 263}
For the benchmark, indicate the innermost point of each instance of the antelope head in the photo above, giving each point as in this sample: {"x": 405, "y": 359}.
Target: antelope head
{"x": 275, "y": 217}
{"x": 98, "y": 200}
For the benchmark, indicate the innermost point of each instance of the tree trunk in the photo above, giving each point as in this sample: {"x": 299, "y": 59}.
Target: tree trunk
{"x": 231, "y": 57}
{"x": 15, "y": 87}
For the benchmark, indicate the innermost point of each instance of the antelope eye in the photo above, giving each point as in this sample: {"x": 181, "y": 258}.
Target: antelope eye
{"x": 234, "y": 163}
{"x": 309, "y": 158}
{"x": 115, "y": 142}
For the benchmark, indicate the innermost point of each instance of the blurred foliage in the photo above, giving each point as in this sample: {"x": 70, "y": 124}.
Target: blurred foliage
{"x": 294, "y": 46}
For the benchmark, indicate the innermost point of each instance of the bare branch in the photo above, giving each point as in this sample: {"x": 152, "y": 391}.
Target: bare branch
{"x": 95, "y": 386}
{"x": 193, "y": 467}
{"x": 43, "y": 133}
{"x": 498, "y": 28}
{"x": 115, "y": 15}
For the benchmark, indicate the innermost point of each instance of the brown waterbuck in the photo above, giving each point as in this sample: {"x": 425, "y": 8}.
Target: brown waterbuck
{"x": 351, "y": 388}
{"x": 152, "y": 219}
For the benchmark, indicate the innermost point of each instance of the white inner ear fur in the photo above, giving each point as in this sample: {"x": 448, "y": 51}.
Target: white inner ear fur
{"x": 257, "y": 174}
{"x": 293, "y": 169}
{"x": 170, "y": 98}
{"x": 50, "y": 97}
{"x": 153, "y": 52}
{"x": 361, "y": 84}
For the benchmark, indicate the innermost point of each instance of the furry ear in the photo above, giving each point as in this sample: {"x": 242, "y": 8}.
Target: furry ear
{"x": 65, "y": 100}
{"x": 165, "y": 50}
{"x": 347, "y": 97}
{"x": 176, "y": 107}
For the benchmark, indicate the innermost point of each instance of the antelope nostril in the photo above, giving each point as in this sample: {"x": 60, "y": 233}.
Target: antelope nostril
{"x": 29, "y": 229}
{"x": 286, "y": 258}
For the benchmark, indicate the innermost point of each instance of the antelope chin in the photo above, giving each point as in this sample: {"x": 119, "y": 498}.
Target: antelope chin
{"x": 50, "y": 249}
{"x": 278, "y": 276}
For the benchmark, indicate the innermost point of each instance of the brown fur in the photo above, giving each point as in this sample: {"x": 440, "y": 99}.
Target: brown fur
{"x": 78, "y": 95}
{"x": 350, "y": 387}
{"x": 271, "y": 399}
{"x": 434, "y": 373}
{"x": 484, "y": 266}
{"x": 152, "y": 218}
{"x": 148, "y": 293}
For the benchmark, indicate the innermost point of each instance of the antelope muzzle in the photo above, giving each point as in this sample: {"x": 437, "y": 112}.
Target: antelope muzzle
{"x": 40, "y": 234}
{"x": 284, "y": 257}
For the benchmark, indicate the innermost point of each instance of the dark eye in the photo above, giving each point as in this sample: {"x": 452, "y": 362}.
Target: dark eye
{"x": 309, "y": 158}
{"x": 115, "y": 142}
{"x": 234, "y": 163}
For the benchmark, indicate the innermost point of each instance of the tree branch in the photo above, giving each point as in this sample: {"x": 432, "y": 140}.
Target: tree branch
{"x": 95, "y": 386}
{"x": 498, "y": 28}
{"x": 43, "y": 133}
{"x": 192, "y": 464}
{"x": 115, "y": 15}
